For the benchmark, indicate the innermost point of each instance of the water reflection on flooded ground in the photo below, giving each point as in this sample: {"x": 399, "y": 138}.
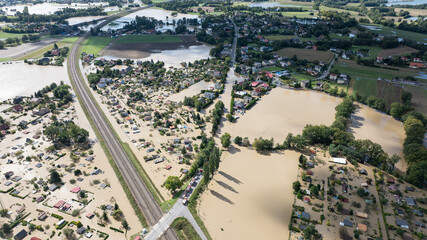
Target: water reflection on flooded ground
{"x": 21, "y": 79}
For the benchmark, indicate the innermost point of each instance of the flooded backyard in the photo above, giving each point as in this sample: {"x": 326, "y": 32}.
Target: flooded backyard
{"x": 367, "y": 123}
{"x": 21, "y": 79}
{"x": 191, "y": 91}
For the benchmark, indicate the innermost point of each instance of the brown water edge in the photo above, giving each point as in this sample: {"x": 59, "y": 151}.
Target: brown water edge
{"x": 368, "y": 123}
{"x": 142, "y": 50}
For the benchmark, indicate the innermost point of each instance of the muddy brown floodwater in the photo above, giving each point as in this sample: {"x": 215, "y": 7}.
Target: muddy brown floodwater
{"x": 367, "y": 123}
{"x": 284, "y": 111}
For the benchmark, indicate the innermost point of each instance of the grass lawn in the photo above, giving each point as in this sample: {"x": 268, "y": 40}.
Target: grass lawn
{"x": 184, "y": 229}
{"x": 353, "y": 69}
{"x": 4, "y": 35}
{"x": 388, "y": 31}
{"x": 352, "y": 13}
{"x": 272, "y": 69}
{"x": 94, "y": 44}
{"x": 298, "y": 14}
{"x": 5, "y": 59}
{"x": 147, "y": 39}
{"x": 112, "y": 12}
{"x": 277, "y": 37}
{"x": 309, "y": 54}
{"x": 39, "y": 52}
{"x": 302, "y": 77}
{"x": 373, "y": 51}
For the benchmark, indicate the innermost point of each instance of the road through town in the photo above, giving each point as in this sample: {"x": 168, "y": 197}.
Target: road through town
{"x": 141, "y": 194}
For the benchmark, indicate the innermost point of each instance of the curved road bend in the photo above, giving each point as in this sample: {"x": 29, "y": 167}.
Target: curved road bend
{"x": 141, "y": 194}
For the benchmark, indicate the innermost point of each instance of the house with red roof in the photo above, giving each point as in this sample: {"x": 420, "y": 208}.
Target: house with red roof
{"x": 75, "y": 189}
{"x": 17, "y": 108}
{"x": 255, "y": 84}
{"x": 265, "y": 86}
{"x": 417, "y": 65}
{"x": 59, "y": 204}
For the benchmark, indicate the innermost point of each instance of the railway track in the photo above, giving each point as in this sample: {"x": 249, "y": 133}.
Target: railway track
{"x": 140, "y": 192}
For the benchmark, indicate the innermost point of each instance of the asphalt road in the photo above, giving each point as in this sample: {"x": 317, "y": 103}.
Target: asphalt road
{"x": 141, "y": 194}
{"x": 178, "y": 210}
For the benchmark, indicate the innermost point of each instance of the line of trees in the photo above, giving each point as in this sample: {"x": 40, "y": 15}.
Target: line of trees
{"x": 217, "y": 115}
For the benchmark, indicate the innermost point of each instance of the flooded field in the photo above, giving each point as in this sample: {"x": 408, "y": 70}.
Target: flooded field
{"x": 284, "y": 111}
{"x": 47, "y": 8}
{"x": 78, "y": 20}
{"x": 245, "y": 182}
{"x": 367, "y": 123}
{"x": 169, "y": 57}
{"x": 159, "y": 14}
{"x": 20, "y": 78}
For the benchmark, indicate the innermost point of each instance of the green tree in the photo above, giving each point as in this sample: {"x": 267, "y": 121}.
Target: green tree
{"x": 296, "y": 186}
{"x": 54, "y": 177}
{"x": 226, "y": 140}
{"x": 229, "y": 117}
{"x": 69, "y": 233}
{"x": 172, "y": 183}
{"x": 3, "y": 212}
{"x": 238, "y": 140}
{"x": 25, "y": 38}
{"x": 6, "y": 228}
{"x": 311, "y": 233}
{"x": 125, "y": 225}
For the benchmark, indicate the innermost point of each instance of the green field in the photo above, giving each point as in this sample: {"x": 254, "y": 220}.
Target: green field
{"x": 147, "y": 39}
{"x": 184, "y": 229}
{"x": 308, "y": 54}
{"x": 302, "y": 77}
{"x": 365, "y": 78}
{"x": 298, "y": 14}
{"x": 373, "y": 51}
{"x": 4, "y": 35}
{"x": 352, "y": 13}
{"x": 94, "y": 44}
{"x": 388, "y": 31}
{"x": 278, "y": 37}
{"x": 272, "y": 69}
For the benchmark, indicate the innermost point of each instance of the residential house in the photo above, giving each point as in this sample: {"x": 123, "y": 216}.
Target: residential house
{"x": 417, "y": 65}
{"x": 410, "y": 201}
{"x": 402, "y": 223}
{"x": 20, "y": 235}
{"x": 17, "y": 108}
{"x": 209, "y": 95}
